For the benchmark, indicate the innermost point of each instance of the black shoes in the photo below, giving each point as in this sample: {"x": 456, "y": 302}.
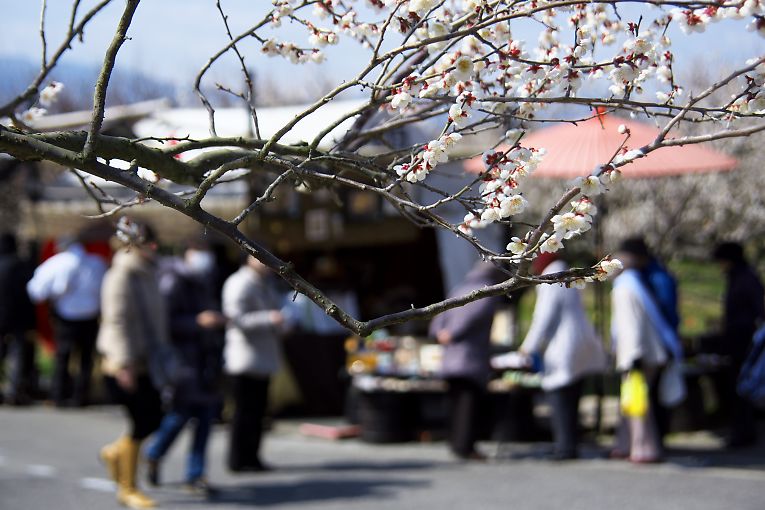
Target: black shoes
{"x": 561, "y": 456}
{"x": 473, "y": 456}
{"x": 255, "y": 467}
{"x": 152, "y": 472}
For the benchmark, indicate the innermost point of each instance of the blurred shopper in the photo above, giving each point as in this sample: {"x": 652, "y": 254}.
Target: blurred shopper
{"x": 16, "y": 322}
{"x": 661, "y": 283}
{"x": 315, "y": 345}
{"x": 71, "y": 282}
{"x": 134, "y": 325}
{"x": 644, "y": 341}
{"x": 570, "y": 349}
{"x": 196, "y": 334}
{"x": 662, "y": 286}
{"x": 743, "y": 311}
{"x": 464, "y": 332}
{"x": 251, "y": 301}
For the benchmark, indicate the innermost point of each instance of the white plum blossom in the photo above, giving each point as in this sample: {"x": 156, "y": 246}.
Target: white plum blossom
{"x": 470, "y": 222}
{"x": 435, "y": 152}
{"x": 512, "y": 205}
{"x": 589, "y": 186}
{"x": 551, "y": 245}
{"x": 608, "y": 268}
{"x": 270, "y": 47}
{"x": 690, "y": 20}
{"x": 49, "y": 94}
{"x": 32, "y": 114}
{"x": 569, "y": 224}
{"x": 459, "y": 115}
{"x": 463, "y": 68}
{"x": 401, "y": 99}
{"x": 421, "y": 7}
{"x": 664, "y": 74}
{"x": 410, "y": 172}
{"x": 451, "y": 139}
{"x": 490, "y": 215}
{"x": 516, "y": 246}
{"x": 471, "y": 5}
{"x": 628, "y": 157}
{"x": 584, "y": 206}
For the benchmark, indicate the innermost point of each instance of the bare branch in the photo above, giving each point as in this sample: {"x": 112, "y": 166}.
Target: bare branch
{"x": 99, "y": 97}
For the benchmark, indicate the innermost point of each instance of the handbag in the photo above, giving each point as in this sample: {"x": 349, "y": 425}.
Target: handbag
{"x": 672, "y": 390}
{"x": 634, "y": 395}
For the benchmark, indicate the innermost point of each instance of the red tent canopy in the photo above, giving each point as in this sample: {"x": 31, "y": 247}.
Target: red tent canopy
{"x": 576, "y": 150}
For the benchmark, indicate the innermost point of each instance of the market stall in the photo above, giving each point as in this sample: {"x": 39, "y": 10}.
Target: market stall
{"x": 397, "y": 394}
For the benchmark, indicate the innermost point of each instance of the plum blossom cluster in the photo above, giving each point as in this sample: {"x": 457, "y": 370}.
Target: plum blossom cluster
{"x": 47, "y": 97}
{"x": 696, "y": 20}
{"x": 292, "y": 52}
{"x": 495, "y": 66}
{"x": 569, "y": 224}
{"x": 499, "y": 191}
{"x": 461, "y": 58}
{"x": 435, "y": 152}
{"x": 752, "y": 99}
{"x": 604, "y": 270}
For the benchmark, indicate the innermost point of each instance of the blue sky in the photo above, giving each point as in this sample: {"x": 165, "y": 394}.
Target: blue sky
{"x": 172, "y": 39}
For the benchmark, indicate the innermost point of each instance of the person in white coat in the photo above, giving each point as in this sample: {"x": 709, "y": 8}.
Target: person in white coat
{"x": 252, "y": 303}
{"x": 643, "y": 341}
{"x": 565, "y": 340}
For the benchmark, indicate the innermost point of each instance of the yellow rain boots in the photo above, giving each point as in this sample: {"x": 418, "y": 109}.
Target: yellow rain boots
{"x": 127, "y": 489}
{"x": 110, "y": 456}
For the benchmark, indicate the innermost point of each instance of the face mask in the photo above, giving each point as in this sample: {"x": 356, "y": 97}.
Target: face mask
{"x": 200, "y": 262}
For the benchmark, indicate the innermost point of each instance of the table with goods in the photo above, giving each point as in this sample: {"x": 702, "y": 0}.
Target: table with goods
{"x": 398, "y": 395}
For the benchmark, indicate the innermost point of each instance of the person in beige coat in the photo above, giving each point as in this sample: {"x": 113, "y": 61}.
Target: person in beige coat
{"x": 133, "y": 324}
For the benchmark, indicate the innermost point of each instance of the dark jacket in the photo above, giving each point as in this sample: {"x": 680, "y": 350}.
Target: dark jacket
{"x": 744, "y": 309}
{"x": 663, "y": 287}
{"x": 16, "y": 310}
{"x": 467, "y": 355}
{"x": 198, "y": 350}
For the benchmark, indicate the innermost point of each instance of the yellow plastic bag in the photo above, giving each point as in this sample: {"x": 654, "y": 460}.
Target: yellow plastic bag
{"x": 634, "y": 394}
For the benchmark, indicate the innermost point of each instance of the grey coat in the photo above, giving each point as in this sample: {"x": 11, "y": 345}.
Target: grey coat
{"x": 467, "y": 355}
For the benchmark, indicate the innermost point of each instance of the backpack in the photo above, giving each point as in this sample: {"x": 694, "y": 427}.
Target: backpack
{"x": 751, "y": 380}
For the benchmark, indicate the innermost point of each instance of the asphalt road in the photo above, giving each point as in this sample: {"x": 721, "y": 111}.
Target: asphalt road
{"x": 48, "y": 461}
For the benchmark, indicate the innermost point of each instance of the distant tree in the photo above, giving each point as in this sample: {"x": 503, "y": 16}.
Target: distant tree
{"x": 456, "y": 62}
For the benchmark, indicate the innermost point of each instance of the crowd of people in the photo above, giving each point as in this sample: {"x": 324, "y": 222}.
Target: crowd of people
{"x": 167, "y": 337}
{"x": 564, "y": 347}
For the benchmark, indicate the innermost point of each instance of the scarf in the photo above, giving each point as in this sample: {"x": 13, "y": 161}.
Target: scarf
{"x": 630, "y": 279}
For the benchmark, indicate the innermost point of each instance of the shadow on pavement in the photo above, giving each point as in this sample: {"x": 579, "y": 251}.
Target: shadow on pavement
{"x": 745, "y": 458}
{"x": 362, "y": 466}
{"x": 269, "y": 493}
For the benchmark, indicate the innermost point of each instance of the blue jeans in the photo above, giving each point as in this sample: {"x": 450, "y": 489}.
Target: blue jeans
{"x": 171, "y": 426}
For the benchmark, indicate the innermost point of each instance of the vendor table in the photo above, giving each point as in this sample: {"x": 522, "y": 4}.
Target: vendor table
{"x": 397, "y": 409}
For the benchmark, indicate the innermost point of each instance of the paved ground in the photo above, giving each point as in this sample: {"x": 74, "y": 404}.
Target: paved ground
{"x": 48, "y": 461}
